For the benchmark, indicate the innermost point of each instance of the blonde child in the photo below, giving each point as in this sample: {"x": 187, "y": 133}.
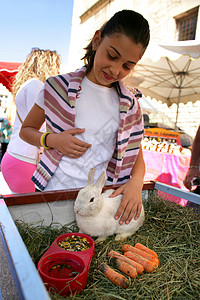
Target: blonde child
{"x": 20, "y": 160}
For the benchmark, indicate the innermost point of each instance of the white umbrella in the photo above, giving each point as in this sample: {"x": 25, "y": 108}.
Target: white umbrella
{"x": 191, "y": 48}
{"x": 168, "y": 76}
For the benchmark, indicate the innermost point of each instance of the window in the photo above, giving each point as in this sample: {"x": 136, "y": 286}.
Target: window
{"x": 186, "y": 24}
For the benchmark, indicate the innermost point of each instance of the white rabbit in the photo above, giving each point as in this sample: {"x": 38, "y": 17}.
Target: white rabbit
{"x": 95, "y": 211}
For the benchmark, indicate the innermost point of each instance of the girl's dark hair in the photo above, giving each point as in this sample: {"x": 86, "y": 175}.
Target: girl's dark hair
{"x": 128, "y": 22}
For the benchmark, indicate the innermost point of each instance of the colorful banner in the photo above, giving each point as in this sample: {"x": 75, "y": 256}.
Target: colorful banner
{"x": 160, "y": 133}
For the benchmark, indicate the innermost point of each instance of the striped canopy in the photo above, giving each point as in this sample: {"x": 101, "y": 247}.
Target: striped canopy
{"x": 8, "y": 70}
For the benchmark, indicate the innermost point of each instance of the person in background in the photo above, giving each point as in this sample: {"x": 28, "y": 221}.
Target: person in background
{"x": 20, "y": 160}
{"x": 11, "y": 112}
{"x": 93, "y": 119}
{"x": 5, "y": 134}
{"x": 2, "y": 113}
{"x": 194, "y": 169}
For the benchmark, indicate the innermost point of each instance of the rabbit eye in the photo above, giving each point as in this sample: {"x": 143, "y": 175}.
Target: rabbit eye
{"x": 92, "y": 199}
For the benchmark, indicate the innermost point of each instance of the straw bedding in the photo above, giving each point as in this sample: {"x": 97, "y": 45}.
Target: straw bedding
{"x": 170, "y": 230}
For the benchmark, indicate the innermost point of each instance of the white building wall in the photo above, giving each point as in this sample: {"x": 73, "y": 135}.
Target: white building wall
{"x": 160, "y": 14}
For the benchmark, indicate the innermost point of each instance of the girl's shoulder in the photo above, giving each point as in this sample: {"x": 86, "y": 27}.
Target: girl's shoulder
{"x": 32, "y": 83}
{"x": 65, "y": 76}
{"x": 132, "y": 91}
{"x": 75, "y": 76}
{"x": 129, "y": 96}
{"x": 60, "y": 81}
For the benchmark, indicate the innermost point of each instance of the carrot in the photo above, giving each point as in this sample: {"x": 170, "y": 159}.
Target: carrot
{"x": 142, "y": 253}
{"x": 144, "y": 248}
{"x": 147, "y": 264}
{"x": 139, "y": 267}
{"x": 114, "y": 276}
{"x": 124, "y": 267}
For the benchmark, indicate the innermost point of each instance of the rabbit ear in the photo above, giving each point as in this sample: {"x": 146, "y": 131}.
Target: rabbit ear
{"x": 91, "y": 176}
{"x": 100, "y": 181}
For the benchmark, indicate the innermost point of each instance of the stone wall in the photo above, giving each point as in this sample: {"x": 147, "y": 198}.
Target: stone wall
{"x": 188, "y": 116}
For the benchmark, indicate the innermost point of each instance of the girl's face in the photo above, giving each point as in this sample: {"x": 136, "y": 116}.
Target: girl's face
{"x": 115, "y": 57}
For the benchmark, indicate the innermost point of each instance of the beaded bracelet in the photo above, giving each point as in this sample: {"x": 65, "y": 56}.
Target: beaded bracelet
{"x": 194, "y": 167}
{"x": 43, "y": 140}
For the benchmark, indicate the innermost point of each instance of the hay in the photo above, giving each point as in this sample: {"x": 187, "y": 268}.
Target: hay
{"x": 170, "y": 230}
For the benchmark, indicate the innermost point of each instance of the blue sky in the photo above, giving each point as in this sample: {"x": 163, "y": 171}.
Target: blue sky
{"x": 25, "y": 24}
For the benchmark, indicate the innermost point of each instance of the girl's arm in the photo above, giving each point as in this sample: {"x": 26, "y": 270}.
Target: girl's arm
{"x": 131, "y": 203}
{"x": 65, "y": 142}
{"x": 30, "y": 128}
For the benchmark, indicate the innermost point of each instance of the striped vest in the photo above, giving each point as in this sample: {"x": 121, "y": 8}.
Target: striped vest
{"x": 59, "y": 103}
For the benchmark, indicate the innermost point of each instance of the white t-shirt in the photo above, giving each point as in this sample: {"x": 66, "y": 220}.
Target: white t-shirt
{"x": 24, "y": 101}
{"x": 97, "y": 110}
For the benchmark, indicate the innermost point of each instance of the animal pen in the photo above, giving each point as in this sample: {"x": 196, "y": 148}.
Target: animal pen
{"x": 31, "y": 222}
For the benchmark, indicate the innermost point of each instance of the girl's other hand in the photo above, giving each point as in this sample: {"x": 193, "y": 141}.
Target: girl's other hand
{"x": 131, "y": 203}
{"x": 66, "y": 143}
{"x": 192, "y": 173}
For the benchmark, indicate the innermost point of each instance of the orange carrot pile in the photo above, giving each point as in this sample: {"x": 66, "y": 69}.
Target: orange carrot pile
{"x": 135, "y": 261}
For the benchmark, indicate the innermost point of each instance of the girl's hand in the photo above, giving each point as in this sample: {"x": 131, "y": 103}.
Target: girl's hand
{"x": 192, "y": 173}
{"x": 66, "y": 143}
{"x": 131, "y": 203}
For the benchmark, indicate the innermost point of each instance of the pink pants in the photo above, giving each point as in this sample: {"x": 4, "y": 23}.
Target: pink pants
{"x": 17, "y": 174}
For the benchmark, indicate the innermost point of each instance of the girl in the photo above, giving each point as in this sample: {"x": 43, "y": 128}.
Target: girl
{"x": 93, "y": 119}
{"x": 20, "y": 160}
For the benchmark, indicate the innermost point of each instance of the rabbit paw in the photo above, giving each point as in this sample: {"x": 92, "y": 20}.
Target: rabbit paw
{"x": 122, "y": 236}
{"x": 100, "y": 239}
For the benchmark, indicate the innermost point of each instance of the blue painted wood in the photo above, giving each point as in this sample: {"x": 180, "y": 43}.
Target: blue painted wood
{"x": 31, "y": 285}
{"x": 177, "y": 192}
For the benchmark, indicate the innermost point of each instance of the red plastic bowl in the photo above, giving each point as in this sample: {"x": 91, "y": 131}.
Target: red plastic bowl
{"x": 63, "y": 273}
{"x": 66, "y": 272}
